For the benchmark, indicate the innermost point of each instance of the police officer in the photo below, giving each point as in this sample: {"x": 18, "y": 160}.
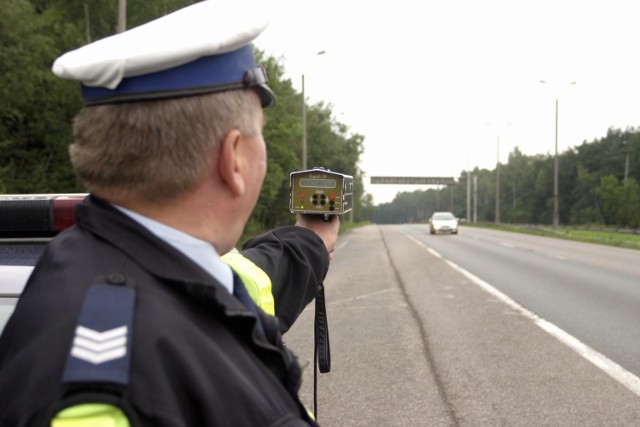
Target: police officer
{"x": 131, "y": 318}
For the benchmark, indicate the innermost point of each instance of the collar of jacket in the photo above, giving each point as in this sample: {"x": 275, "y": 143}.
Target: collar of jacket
{"x": 161, "y": 259}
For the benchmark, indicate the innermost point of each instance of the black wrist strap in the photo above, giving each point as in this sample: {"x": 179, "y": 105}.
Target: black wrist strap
{"x": 321, "y": 353}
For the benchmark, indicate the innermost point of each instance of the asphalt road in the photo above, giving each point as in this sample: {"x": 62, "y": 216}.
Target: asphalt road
{"x": 422, "y": 333}
{"x": 591, "y": 291}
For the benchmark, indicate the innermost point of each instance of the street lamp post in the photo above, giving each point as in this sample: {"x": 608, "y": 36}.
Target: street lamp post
{"x": 475, "y": 199}
{"x": 122, "y": 16}
{"x": 468, "y": 196}
{"x": 555, "y": 219}
{"x": 497, "y": 219}
{"x": 556, "y": 211}
{"x": 626, "y": 161}
{"x": 304, "y": 128}
{"x": 304, "y": 121}
{"x": 497, "y": 214}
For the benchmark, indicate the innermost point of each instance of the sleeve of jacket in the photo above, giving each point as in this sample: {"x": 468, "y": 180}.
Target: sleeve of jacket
{"x": 297, "y": 261}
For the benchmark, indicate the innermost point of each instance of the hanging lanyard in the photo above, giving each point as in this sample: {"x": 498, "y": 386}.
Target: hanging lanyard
{"x": 321, "y": 353}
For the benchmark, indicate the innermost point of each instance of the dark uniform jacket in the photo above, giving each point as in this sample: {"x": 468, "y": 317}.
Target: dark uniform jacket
{"x": 195, "y": 357}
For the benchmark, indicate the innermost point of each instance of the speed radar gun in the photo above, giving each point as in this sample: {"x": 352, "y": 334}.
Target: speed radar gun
{"x": 321, "y": 191}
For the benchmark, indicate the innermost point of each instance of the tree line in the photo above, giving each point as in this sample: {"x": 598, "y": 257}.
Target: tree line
{"x": 598, "y": 180}
{"x": 37, "y": 108}
{"x": 598, "y": 184}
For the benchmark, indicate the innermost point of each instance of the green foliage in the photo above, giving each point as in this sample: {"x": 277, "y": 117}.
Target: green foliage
{"x": 583, "y": 210}
{"x": 37, "y": 108}
{"x": 619, "y": 202}
{"x": 598, "y": 180}
{"x": 592, "y": 188}
{"x": 330, "y": 145}
{"x": 609, "y": 195}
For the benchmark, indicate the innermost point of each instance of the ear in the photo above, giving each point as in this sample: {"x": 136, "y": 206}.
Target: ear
{"x": 231, "y": 163}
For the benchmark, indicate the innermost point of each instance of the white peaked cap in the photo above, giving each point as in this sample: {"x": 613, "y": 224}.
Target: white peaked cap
{"x": 222, "y": 29}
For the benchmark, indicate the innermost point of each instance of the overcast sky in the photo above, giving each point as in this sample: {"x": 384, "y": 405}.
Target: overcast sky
{"x": 433, "y": 85}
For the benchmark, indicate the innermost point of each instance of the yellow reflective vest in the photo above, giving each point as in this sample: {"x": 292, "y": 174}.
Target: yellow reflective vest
{"x": 91, "y": 415}
{"x": 255, "y": 280}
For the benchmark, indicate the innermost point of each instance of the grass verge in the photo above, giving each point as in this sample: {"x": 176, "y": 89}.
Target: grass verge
{"x": 625, "y": 239}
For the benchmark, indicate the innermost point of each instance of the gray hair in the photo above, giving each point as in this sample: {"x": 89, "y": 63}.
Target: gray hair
{"x": 156, "y": 150}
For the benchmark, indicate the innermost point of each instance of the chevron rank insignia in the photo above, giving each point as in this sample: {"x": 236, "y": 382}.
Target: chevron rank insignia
{"x": 101, "y": 346}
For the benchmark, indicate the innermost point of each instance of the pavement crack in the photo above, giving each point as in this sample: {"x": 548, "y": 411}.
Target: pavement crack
{"x": 431, "y": 363}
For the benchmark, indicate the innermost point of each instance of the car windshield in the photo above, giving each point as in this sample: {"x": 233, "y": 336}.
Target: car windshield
{"x": 444, "y": 215}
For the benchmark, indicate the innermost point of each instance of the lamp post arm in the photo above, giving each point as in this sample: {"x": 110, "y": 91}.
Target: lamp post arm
{"x": 304, "y": 128}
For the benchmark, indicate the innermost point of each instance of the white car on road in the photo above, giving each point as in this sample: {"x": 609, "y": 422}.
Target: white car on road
{"x": 443, "y": 222}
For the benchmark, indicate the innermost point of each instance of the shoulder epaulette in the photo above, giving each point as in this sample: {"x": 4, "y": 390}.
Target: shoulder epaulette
{"x": 101, "y": 348}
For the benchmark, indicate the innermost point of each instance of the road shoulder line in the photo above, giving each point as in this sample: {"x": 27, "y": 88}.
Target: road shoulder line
{"x": 615, "y": 371}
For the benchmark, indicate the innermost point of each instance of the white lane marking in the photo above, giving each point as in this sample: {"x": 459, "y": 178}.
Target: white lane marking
{"x": 342, "y": 245}
{"x": 507, "y": 245}
{"x": 434, "y": 253}
{"x": 607, "y": 365}
{"x": 422, "y": 245}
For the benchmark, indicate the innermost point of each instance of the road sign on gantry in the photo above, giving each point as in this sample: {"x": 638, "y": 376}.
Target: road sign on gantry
{"x": 420, "y": 180}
